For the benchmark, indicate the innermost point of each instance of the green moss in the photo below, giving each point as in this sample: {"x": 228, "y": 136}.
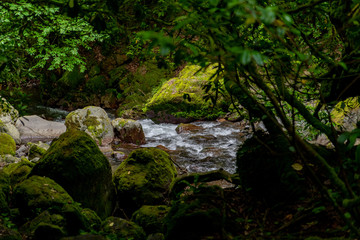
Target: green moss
{"x": 151, "y": 218}
{"x": 170, "y": 97}
{"x": 76, "y": 163}
{"x": 4, "y": 192}
{"x": 37, "y": 149}
{"x": 71, "y": 80}
{"x": 9, "y": 234}
{"x": 96, "y": 84}
{"x": 44, "y": 218}
{"x": 197, "y": 216}
{"x": 91, "y": 218}
{"x": 36, "y": 194}
{"x": 7, "y": 144}
{"x": 137, "y": 88}
{"x": 144, "y": 178}
{"x": 18, "y": 171}
{"x": 117, "y": 228}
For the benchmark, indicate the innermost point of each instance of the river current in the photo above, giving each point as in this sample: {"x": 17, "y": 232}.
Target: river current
{"x": 213, "y": 147}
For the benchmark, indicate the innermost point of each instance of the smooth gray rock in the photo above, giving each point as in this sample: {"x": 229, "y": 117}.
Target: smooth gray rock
{"x": 34, "y": 128}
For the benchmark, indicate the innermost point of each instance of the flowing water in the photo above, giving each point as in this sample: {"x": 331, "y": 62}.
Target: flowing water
{"x": 213, "y": 147}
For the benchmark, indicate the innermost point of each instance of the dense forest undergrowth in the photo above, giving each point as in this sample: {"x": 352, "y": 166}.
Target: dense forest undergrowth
{"x": 294, "y": 65}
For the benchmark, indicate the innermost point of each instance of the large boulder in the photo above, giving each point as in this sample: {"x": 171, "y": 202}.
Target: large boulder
{"x": 143, "y": 178}
{"x": 18, "y": 171}
{"x": 199, "y": 214}
{"x": 118, "y": 228}
{"x": 76, "y": 163}
{"x": 7, "y": 144}
{"x": 4, "y": 192}
{"x": 129, "y": 131}
{"x": 34, "y": 128}
{"x": 151, "y": 218}
{"x": 37, "y": 194}
{"x": 94, "y": 121}
{"x": 181, "y": 99}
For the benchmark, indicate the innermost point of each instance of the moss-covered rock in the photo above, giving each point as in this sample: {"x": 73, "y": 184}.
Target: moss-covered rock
{"x": 92, "y": 220}
{"x": 37, "y": 150}
{"x": 136, "y": 87}
{"x": 94, "y": 121}
{"x": 143, "y": 178}
{"x": 96, "y": 84}
{"x": 36, "y": 194}
{"x": 118, "y": 228}
{"x": 10, "y": 129}
{"x": 156, "y": 236}
{"x": 76, "y": 163}
{"x": 86, "y": 236}
{"x": 7, "y": 144}
{"x": 168, "y": 104}
{"x": 8, "y": 114}
{"x": 9, "y": 234}
{"x": 198, "y": 215}
{"x": 4, "y": 192}
{"x": 269, "y": 176}
{"x": 71, "y": 80}
{"x": 18, "y": 171}
{"x": 45, "y": 224}
{"x": 129, "y": 131}
{"x": 151, "y": 218}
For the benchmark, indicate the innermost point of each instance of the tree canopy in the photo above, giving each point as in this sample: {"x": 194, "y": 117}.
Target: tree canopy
{"x": 289, "y": 63}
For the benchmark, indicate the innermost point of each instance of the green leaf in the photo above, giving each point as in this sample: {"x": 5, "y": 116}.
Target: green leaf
{"x": 268, "y": 15}
{"x": 343, "y": 65}
{"x": 258, "y": 58}
{"x": 245, "y": 57}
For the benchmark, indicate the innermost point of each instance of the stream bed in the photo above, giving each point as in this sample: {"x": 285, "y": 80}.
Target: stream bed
{"x": 213, "y": 147}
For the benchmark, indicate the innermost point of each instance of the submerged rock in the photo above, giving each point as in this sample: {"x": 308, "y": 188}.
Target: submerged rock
{"x": 76, "y": 163}
{"x": 94, "y": 121}
{"x": 184, "y": 128}
{"x": 129, "y": 131}
{"x": 143, "y": 178}
{"x": 34, "y": 128}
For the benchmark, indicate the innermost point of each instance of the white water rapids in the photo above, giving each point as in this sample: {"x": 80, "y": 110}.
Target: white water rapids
{"x": 211, "y": 148}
